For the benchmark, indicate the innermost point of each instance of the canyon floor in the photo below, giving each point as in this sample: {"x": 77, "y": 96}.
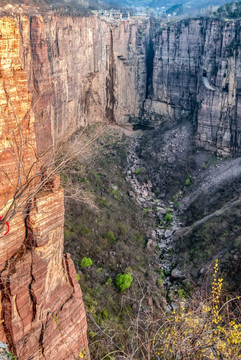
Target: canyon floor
{"x": 166, "y": 210}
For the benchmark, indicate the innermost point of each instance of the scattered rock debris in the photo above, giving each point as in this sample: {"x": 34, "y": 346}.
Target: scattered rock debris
{"x": 162, "y": 235}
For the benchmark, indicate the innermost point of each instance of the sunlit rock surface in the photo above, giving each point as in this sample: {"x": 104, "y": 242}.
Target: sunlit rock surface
{"x": 42, "y": 314}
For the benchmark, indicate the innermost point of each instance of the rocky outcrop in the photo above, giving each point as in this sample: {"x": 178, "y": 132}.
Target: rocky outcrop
{"x": 42, "y": 314}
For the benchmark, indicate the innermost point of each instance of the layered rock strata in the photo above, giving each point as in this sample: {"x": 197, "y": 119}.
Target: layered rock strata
{"x": 196, "y": 72}
{"x": 85, "y": 70}
{"x": 82, "y": 71}
{"x": 42, "y": 314}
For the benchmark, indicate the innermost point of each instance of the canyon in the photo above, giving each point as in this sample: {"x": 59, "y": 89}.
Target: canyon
{"x": 60, "y": 73}
{"x": 84, "y": 70}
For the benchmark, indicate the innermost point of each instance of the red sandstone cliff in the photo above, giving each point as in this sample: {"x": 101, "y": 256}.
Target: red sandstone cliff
{"x": 83, "y": 70}
{"x": 57, "y": 73}
{"x": 41, "y": 309}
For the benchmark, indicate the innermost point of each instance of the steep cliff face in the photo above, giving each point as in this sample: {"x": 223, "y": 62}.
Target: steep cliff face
{"x": 197, "y": 71}
{"x": 56, "y": 73}
{"x": 59, "y": 72}
{"x": 83, "y": 70}
{"x": 41, "y": 309}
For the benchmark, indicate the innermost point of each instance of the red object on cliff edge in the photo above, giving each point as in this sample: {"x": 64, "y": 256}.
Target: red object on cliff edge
{"x": 7, "y": 226}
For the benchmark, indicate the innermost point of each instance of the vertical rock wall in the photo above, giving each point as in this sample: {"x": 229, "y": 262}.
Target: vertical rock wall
{"x": 42, "y": 314}
{"x": 88, "y": 70}
{"x": 197, "y": 72}
{"x": 56, "y": 73}
{"x": 83, "y": 70}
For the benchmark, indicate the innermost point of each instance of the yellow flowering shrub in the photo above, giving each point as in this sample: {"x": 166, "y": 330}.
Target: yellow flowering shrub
{"x": 204, "y": 331}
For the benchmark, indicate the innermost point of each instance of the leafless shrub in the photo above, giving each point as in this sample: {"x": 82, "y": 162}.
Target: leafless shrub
{"x": 30, "y": 173}
{"x": 201, "y": 327}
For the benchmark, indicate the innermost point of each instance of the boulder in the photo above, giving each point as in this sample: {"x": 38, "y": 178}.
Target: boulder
{"x": 151, "y": 245}
{"x": 168, "y": 233}
{"x": 177, "y": 274}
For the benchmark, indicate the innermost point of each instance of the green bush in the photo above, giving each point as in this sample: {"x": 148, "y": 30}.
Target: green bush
{"x": 181, "y": 293}
{"x": 85, "y": 230}
{"x": 10, "y": 356}
{"x": 187, "y": 285}
{"x": 123, "y": 281}
{"x": 86, "y": 262}
{"x": 110, "y": 236}
{"x": 115, "y": 194}
{"x": 67, "y": 234}
{"x": 122, "y": 228}
{"x": 187, "y": 182}
{"x": 168, "y": 218}
{"x": 109, "y": 281}
{"x": 103, "y": 202}
{"x": 105, "y": 314}
{"x": 160, "y": 282}
{"x": 161, "y": 272}
{"x": 78, "y": 277}
{"x": 146, "y": 211}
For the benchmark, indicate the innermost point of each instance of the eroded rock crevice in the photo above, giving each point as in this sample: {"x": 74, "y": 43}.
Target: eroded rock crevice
{"x": 41, "y": 344}
{"x": 150, "y": 54}
{"x": 31, "y": 293}
{"x": 110, "y": 82}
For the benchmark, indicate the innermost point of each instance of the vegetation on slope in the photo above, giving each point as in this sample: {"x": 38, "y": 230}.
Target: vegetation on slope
{"x": 230, "y": 11}
{"x": 208, "y": 190}
{"x": 114, "y": 238}
{"x": 206, "y": 329}
{"x": 122, "y": 285}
